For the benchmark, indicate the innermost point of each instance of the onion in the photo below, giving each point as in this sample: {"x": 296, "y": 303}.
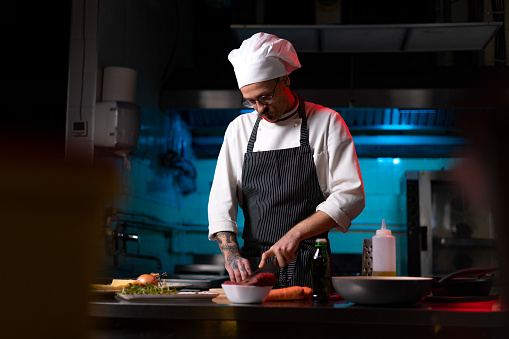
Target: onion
{"x": 146, "y": 279}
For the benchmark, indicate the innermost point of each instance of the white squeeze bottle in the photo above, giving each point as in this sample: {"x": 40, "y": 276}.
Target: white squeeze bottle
{"x": 384, "y": 252}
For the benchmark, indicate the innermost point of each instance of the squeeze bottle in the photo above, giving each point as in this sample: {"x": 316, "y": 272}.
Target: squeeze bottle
{"x": 384, "y": 252}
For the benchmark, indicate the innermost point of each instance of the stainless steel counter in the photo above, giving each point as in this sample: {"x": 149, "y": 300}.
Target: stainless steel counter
{"x": 220, "y": 318}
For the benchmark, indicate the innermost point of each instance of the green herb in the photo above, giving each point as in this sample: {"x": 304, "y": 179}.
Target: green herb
{"x": 147, "y": 289}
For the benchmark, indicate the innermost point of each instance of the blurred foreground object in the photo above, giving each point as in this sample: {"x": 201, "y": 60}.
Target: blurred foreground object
{"x": 51, "y": 221}
{"x": 485, "y": 175}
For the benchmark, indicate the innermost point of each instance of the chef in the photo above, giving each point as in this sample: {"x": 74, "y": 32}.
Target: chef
{"x": 289, "y": 164}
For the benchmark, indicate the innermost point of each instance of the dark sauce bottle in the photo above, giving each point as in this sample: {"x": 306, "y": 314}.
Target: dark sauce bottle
{"x": 320, "y": 270}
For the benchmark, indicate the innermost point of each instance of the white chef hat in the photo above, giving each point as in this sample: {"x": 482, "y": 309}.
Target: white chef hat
{"x": 263, "y": 57}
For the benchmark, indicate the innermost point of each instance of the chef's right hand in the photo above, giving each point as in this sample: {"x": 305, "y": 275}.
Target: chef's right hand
{"x": 238, "y": 267}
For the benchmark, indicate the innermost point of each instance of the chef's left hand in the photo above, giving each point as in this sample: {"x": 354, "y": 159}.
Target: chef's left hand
{"x": 285, "y": 250}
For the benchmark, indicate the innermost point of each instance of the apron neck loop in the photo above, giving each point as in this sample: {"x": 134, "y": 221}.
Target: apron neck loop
{"x": 304, "y": 138}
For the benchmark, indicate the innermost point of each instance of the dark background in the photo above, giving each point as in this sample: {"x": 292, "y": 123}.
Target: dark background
{"x": 35, "y": 53}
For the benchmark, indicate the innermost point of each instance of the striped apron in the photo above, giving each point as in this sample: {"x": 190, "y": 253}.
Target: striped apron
{"x": 280, "y": 188}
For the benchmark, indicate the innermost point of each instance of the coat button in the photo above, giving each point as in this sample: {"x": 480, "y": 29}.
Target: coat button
{"x": 296, "y": 124}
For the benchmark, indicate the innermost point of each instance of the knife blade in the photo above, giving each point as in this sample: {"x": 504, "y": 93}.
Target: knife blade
{"x": 270, "y": 267}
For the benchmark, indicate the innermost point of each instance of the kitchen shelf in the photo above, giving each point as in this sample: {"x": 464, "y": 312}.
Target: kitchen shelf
{"x": 426, "y": 37}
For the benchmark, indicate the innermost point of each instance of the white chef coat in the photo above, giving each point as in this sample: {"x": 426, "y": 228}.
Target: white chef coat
{"x": 334, "y": 155}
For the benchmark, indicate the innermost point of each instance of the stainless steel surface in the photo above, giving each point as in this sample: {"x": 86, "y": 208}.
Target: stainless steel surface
{"x": 377, "y": 131}
{"x": 429, "y": 37}
{"x": 382, "y": 290}
{"x": 440, "y": 209}
{"x": 298, "y": 319}
{"x": 408, "y": 98}
{"x": 201, "y": 282}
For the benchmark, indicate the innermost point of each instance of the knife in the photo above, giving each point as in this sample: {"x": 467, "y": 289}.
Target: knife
{"x": 270, "y": 267}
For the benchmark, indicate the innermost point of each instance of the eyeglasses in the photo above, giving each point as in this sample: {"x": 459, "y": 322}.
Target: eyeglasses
{"x": 264, "y": 99}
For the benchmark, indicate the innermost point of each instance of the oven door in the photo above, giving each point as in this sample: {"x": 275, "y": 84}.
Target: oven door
{"x": 445, "y": 233}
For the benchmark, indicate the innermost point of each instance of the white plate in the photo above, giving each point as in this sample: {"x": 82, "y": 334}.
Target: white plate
{"x": 181, "y": 296}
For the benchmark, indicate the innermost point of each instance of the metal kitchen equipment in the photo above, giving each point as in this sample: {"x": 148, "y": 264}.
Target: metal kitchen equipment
{"x": 382, "y": 290}
{"x": 119, "y": 238}
{"x": 465, "y": 282}
{"x": 367, "y": 258}
{"x": 444, "y": 233}
{"x": 198, "y": 281}
{"x": 205, "y": 264}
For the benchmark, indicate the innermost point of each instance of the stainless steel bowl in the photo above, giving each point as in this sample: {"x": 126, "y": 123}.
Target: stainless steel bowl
{"x": 369, "y": 290}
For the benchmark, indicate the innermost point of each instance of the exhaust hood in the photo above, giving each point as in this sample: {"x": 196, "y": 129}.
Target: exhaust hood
{"x": 430, "y": 37}
{"x": 378, "y": 130}
{"x": 329, "y": 48}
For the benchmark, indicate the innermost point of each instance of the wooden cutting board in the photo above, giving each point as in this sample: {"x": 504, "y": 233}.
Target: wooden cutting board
{"x": 116, "y": 284}
{"x": 218, "y": 290}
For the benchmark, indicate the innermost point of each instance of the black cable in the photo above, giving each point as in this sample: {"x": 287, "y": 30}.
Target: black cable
{"x": 82, "y": 59}
{"x": 165, "y": 75}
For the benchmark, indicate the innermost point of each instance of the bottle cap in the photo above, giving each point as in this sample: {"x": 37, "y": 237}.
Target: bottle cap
{"x": 321, "y": 240}
{"x": 383, "y": 230}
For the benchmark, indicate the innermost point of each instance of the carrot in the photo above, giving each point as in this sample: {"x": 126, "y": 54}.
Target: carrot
{"x": 308, "y": 292}
{"x": 287, "y": 293}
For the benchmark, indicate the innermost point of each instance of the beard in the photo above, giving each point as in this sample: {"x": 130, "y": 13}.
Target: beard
{"x": 271, "y": 115}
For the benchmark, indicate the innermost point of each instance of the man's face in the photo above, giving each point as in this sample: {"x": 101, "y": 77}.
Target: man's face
{"x": 276, "y": 108}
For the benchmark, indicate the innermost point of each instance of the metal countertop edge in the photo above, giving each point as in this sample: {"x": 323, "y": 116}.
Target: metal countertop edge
{"x": 416, "y": 316}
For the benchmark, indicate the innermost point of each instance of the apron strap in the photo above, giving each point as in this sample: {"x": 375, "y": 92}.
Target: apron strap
{"x": 252, "y": 138}
{"x": 304, "y": 138}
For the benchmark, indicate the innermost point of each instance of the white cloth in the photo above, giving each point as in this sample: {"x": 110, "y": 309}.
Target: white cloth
{"x": 333, "y": 152}
{"x": 263, "y": 57}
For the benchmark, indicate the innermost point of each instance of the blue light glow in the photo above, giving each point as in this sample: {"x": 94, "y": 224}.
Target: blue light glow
{"x": 395, "y": 161}
{"x": 410, "y": 111}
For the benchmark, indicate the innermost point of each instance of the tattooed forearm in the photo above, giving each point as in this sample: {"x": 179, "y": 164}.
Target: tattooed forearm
{"x": 229, "y": 247}
{"x": 228, "y": 237}
{"x": 227, "y": 242}
{"x": 238, "y": 267}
